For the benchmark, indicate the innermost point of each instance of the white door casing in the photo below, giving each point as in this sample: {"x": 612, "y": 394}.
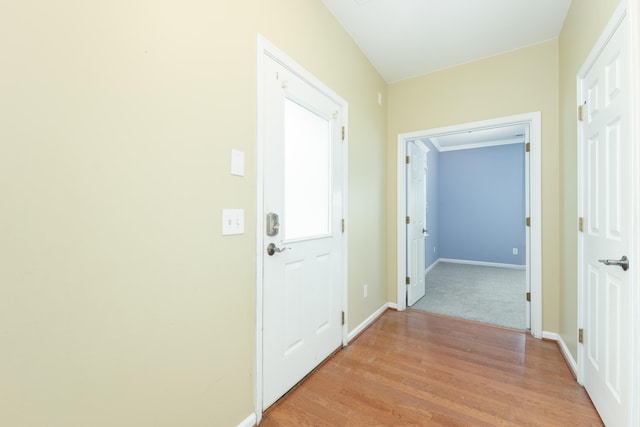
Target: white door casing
{"x": 605, "y": 206}
{"x": 527, "y": 209}
{"x": 416, "y": 226}
{"x": 301, "y": 291}
{"x": 534, "y": 232}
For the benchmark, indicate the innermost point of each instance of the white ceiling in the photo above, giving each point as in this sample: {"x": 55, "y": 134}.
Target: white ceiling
{"x": 408, "y": 38}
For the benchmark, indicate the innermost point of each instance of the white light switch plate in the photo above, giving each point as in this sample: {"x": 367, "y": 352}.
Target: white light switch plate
{"x": 232, "y": 221}
{"x": 237, "y": 162}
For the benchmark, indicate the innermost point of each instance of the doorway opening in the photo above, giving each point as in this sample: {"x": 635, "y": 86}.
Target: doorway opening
{"x": 528, "y": 127}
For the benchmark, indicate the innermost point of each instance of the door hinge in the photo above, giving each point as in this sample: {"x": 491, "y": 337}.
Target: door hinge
{"x": 581, "y": 336}
{"x": 527, "y": 147}
{"x": 528, "y": 296}
{"x": 407, "y": 159}
{"x": 581, "y": 224}
{"x": 343, "y": 133}
{"x": 528, "y": 221}
{"x": 408, "y": 220}
{"x": 407, "y": 280}
{"x": 342, "y": 225}
{"x": 343, "y": 317}
{"x": 581, "y": 111}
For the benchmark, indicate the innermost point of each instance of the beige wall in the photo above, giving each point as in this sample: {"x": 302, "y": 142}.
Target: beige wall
{"x": 120, "y": 301}
{"x": 517, "y": 82}
{"x": 584, "y": 24}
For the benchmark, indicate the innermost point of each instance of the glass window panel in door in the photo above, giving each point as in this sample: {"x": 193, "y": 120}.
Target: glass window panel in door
{"x": 307, "y": 179}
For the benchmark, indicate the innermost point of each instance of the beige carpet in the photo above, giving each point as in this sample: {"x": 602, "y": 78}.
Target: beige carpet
{"x": 491, "y": 295}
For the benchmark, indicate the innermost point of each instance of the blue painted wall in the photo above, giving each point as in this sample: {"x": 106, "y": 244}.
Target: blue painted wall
{"x": 481, "y": 204}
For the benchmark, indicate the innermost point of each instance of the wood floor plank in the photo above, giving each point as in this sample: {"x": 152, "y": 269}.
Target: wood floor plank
{"x": 416, "y": 369}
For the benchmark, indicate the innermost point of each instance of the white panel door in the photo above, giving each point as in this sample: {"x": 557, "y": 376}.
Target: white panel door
{"x": 416, "y": 228}
{"x": 302, "y": 246}
{"x": 606, "y": 209}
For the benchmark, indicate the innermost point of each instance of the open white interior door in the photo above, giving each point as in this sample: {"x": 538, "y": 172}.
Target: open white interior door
{"x": 416, "y": 220}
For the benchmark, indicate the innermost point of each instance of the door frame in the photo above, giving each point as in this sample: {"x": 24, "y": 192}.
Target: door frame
{"x": 266, "y": 48}
{"x": 631, "y": 10}
{"x": 534, "y": 248}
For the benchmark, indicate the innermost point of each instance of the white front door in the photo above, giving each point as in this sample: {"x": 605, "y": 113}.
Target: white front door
{"x": 416, "y": 225}
{"x": 302, "y": 243}
{"x": 606, "y": 197}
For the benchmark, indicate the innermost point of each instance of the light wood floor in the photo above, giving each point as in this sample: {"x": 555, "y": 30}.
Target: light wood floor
{"x": 417, "y": 369}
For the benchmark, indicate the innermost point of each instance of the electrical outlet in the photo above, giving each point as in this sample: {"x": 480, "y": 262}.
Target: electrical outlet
{"x": 366, "y": 291}
{"x": 515, "y": 251}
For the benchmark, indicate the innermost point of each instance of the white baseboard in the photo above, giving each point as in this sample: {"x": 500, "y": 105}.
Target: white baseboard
{"x": 486, "y": 264}
{"x": 428, "y": 269}
{"x": 250, "y": 421}
{"x": 550, "y": 336}
{"x": 362, "y": 326}
{"x": 568, "y": 357}
{"x": 571, "y": 362}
